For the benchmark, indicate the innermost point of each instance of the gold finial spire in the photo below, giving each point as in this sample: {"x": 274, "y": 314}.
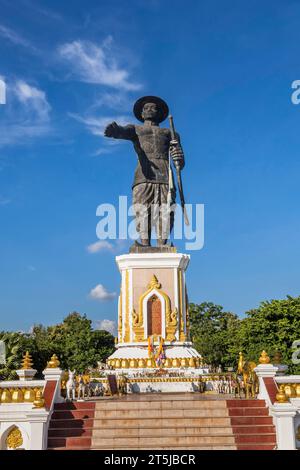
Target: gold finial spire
{"x": 264, "y": 358}
{"x": 27, "y": 361}
{"x": 277, "y": 359}
{"x": 154, "y": 284}
{"x": 53, "y": 363}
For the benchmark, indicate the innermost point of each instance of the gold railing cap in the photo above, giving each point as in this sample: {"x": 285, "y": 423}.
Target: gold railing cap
{"x": 53, "y": 363}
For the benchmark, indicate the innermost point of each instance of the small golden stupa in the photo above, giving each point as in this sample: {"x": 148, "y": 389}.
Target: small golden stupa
{"x": 53, "y": 363}
{"x": 27, "y": 361}
{"x": 264, "y": 358}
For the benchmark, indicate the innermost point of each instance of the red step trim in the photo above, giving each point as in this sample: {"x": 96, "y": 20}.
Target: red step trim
{"x": 252, "y": 426}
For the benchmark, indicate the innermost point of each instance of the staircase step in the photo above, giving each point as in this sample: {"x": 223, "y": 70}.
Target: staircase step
{"x": 75, "y": 405}
{"x": 253, "y": 429}
{"x": 69, "y": 441}
{"x": 245, "y": 403}
{"x": 160, "y": 422}
{"x": 157, "y": 442}
{"x": 251, "y": 420}
{"x": 256, "y": 447}
{"x": 169, "y": 413}
{"x": 78, "y": 414}
{"x": 70, "y": 432}
{"x": 255, "y": 438}
{"x": 248, "y": 411}
{"x": 157, "y": 432}
{"x": 71, "y": 423}
{"x": 158, "y": 405}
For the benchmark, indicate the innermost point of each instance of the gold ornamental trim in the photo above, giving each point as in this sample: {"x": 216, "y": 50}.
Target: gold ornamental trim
{"x": 182, "y": 335}
{"x": 120, "y": 317}
{"x": 130, "y": 363}
{"x": 138, "y": 317}
{"x": 19, "y": 394}
{"x": 14, "y": 439}
{"x": 126, "y": 337}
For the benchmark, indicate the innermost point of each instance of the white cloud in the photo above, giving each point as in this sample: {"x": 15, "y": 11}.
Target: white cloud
{"x": 96, "y": 64}
{"x": 26, "y": 114}
{"x": 100, "y": 293}
{"x": 15, "y": 38}
{"x": 107, "y": 325}
{"x": 100, "y": 246}
{"x": 33, "y": 98}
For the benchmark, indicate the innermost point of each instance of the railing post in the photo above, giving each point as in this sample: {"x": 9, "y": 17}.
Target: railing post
{"x": 284, "y": 414}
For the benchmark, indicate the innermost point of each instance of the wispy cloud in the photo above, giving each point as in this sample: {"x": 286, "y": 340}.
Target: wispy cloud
{"x": 34, "y": 99}
{"x": 101, "y": 245}
{"x": 107, "y": 325}
{"x": 26, "y": 116}
{"x": 4, "y": 201}
{"x": 15, "y": 38}
{"x": 100, "y": 293}
{"x": 96, "y": 64}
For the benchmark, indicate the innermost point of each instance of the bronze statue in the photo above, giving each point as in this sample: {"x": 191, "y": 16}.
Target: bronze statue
{"x": 153, "y": 186}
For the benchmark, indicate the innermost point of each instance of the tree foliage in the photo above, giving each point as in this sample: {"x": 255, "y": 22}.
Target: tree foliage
{"x": 74, "y": 341}
{"x": 273, "y": 326}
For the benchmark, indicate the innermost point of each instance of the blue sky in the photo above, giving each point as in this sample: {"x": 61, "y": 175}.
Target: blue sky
{"x": 225, "y": 69}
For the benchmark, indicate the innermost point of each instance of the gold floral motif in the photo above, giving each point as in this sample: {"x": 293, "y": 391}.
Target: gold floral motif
{"x": 14, "y": 438}
{"x": 137, "y": 325}
{"x": 154, "y": 284}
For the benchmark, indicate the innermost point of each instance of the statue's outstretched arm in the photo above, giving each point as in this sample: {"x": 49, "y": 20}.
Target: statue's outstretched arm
{"x": 120, "y": 132}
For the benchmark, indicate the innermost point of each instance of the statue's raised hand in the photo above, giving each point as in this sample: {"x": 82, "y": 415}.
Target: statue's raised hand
{"x": 111, "y": 130}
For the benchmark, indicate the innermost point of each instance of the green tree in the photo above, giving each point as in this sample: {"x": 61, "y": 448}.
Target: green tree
{"x": 77, "y": 344}
{"x": 273, "y": 326}
{"x": 214, "y": 332}
{"x": 16, "y": 344}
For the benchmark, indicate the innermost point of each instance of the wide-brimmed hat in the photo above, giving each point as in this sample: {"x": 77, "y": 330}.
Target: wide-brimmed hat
{"x": 161, "y": 104}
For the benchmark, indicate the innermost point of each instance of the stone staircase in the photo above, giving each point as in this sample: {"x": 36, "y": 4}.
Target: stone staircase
{"x": 177, "y": 421}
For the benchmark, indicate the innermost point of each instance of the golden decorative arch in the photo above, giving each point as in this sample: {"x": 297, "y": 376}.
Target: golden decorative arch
{"x": 14, "y": 439}
{"x": 171, "y": 316}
